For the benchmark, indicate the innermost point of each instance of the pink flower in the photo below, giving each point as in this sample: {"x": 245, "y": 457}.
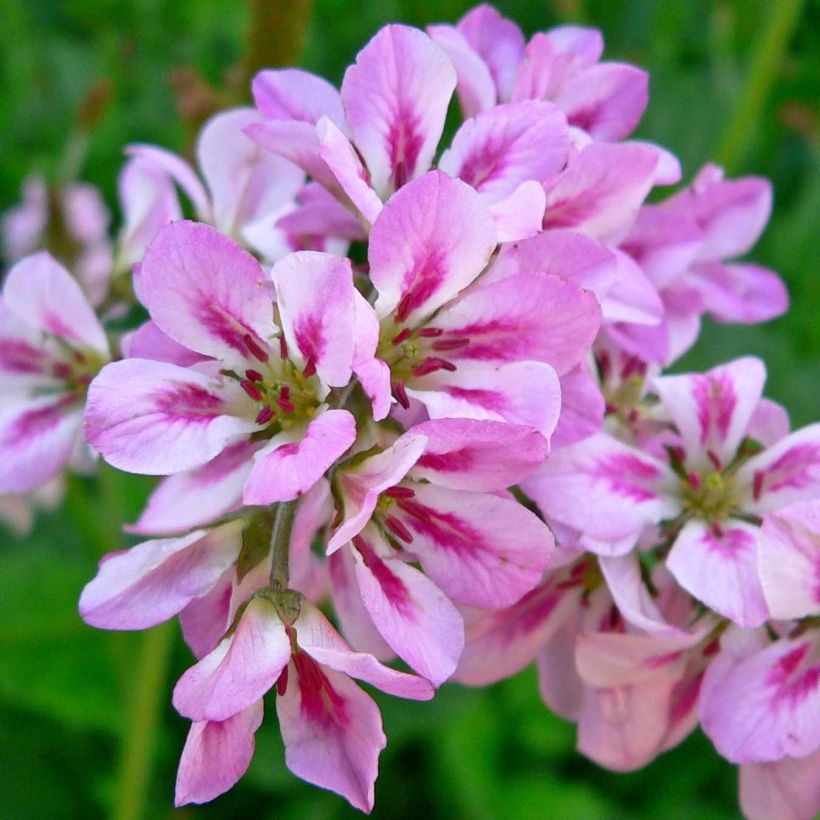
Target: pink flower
{"x": 51, "y": 346}
{"x": 331, "y": 729}
{"x": 264, "y": 383}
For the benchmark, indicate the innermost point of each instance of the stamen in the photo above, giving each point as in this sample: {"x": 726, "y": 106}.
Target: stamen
{"x": 450, "y": 344}
{"x": 360, "y": 543}
{"x": 310, "y": 367}
{"x": 255, "y": 349}
{"x": 712, "y": 455}
{"x": 282, "y": 682}
{"x": 397, "y": 528}
{"x": 254, "y": 376}
{"x": 717, "y": 530}
{"x": 694, "y": 480}
{"x": 415, "y": 509}
{"x": 62, "y": 370}
{"x": 757, "y": 485}
{"x": 429, "y": 332}
{"x": 265, "y": 415}
{"x": 286, "y": 405}
{"x": 431, "y": 364}
{"x": 404, "y": 307}
{"x": 401, "y": 394}
{"x": 401, "y": 336}
{"x": 285, "y": 392}
{"x": 251, "y": 389}
{"x": 283, "y": 347}
{"x": 399, "y": 492}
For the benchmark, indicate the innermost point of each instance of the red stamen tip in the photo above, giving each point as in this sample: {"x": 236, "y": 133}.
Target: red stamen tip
{"x": 283, "y": 347}
{"x": 282, "y": 682}
{"x": 265, "y": 415}
{"x": 256, "y": 350}
{"x": 399, "y": 492}
{"x": 716, "y": 462}
{"x": 254, "y": 375}
{"x": 401, "y": 336}
{"x": 757, "y": 485}
{"x": 450, "y": 344}
{"x": 401, "y": 395}
{"x": 430, "y": 332}
{"x": 285, "y": 392}
{"x": 397, "y": 528}
{"x": 717, "y": 530}
{"x": 404, "y": 307}
{"x": 287, "y": 406}
{"x": 694, "y": 481}
{"x": 251, "y": 389}
{"x": 310, "y": 367}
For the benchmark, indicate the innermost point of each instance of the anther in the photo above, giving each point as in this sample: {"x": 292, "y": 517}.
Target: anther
{"x": 757, "y": 485}
{"x": 694, "y": 480}
{"x": 283, "y": 347}
{"x": 61, "y": 370}
{"x": 712, "y": 456}
{"x": 450, "y": 344}
{"x": 431, "y": 364}
{"x": 255, "y": 349}
{"x": 717, "y": 530}
{"x": 284, "y": 393}
{"x": 401, "y": 394}
{"x": 415, "y": 509}
{"x": 429, "y": 332}
{"x": 310, "y": 367}
{"x": 251, "y": 389}
{"x": 282, "y": 682}
{"x": 286, "y": 405}
{"x": 397, "y": 528}
{"x": 265, "y": 415}
{"x": 399, "y": 492}
{"x": 401, "y": 336}
{"x": 404, "y": 307}
{"x": 254, "y": 376}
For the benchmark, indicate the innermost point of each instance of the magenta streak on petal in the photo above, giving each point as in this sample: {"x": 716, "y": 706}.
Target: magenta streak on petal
{"x": 36, "y": 423}
{"x": 684, "y": 698}
{"x": 320, "y": 702}
{"x": 393, "y": 588}
{"x": 17, "y": 356}
{"x": 454, "y": 462}
{"x": 486, "y": 164}
{"x": 716, "y": 401}
{"x": 309, "y": 338}
{"x": 627, "y": 475}
{"x": 446, "y": 530}
{"x": 54, "y": 324}
{"x": 404, "y": 141}
{"x": 488, "y": 399}
{"x": 420, "y": 283}
{"x": 189, "y": 402}
{"x": 789, "y": 688}
{"x": 729, "y": 544}
{"x": 532, "y": 610}
{"x": 792, "y": 469}
{"x": 227, "y": 328}
{"x": 287, "y": 449}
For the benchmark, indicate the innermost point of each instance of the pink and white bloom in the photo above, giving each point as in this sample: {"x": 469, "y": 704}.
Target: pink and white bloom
{"x": 51, "y": 346}
{"x": 331, "y": 729}
{"x": 264, "y": 382}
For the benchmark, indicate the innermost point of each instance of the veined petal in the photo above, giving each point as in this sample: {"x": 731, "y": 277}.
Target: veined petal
{"x": 788, "y": 561}
{"x": 149, "y": 342}
{"x": 242, "y": 668}
{"x": 527, "y": 393}
{"x": 205, "y": 292}
{"x": 41, "y": 292}
{"x": 480, "y": 549}
{"x": 483, "y": 456}
{"x": 412, "y": 614}
{"x": 332, "y": 731}
{"x": 289, "y": 467}
{"x": 37, "y": 437}
{"x": 431, "y": 240}
{"x": 720, "y": 569}
{"x": 787, "y": 788}
{"x": 510, "y": 144}
{"x": 582, "y": 407}
{"x": 712, "y": 410}
{"x": 157, "y": 418}
{"x": 216, "y": 755}
{"x": 521, "y": 214}
{"x": 153, "y": 581}
{"x": 318, "y": 329}
{"x": 395, "y": 97}
{"x": 293, "y": 94}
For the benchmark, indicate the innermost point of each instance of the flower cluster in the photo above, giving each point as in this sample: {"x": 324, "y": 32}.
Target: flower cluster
{"x": 421, "y": 388}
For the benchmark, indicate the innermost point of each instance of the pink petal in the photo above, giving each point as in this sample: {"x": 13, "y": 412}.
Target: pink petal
{"x": 498, "y": 41}
{"x": 41, "y": 292}
{"x": 600, "y": 192}
{"x": 216, "y": 755}
{"x": 508, "y": 145}
{"x": 603, "y": 488}
{"x": 788, "y": 789}
{"x": 582, "y": 45}
{"x": 558, "y": 682}
{"x": 293, "y": 94}
{"x": 153, "y": 581}
{"x": 481, "y": 549}
{"x": 484, "y": 456}
{"x": 332, "y": 732}
{"x": 762, "y": 705}
{"x": 317, "y": 637}
{"x": 373, "y": 374}
{"x": 535, "y": 318}
{"x": 541, "y": 71}
{"x": 476, "y": 87}
{"x": 432, "y": 239}
{"x": 396, "y": 97}
{"x": 205, "y": 620}
{"x": 788, "y": 561}
{"x": 191, "y": 499}
{"x": 720, "y": 569}
{"x": 157, "y": 419}
{"x": 413, "y": 615}
{"x": 245, "y": 183}
{"x": 149, "y": 342}
{"x": 37, "y": 437}
{"x": 357, "y": 488}
{"x": 520, "y": 215}
{"x": 525, "y": 393}
{"x": 287, "y": 468}
{"x": 341, "y": 157}
{"x": 632, "y": 298}
{"x": 205, "y": 292}
{"x": 241, "y": 669}
{"x": 783, "y": 474}
{"x": 606, "y": 100}
{"x": 712, "y": 410}
{"x": 320, "y": 330}
{"x": 582, "y": 407}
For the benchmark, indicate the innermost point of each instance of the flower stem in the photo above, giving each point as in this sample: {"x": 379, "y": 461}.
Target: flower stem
{"x": 764, "y": 64}
{"x": 141, "y": 723}
{"x": 280, "y": 544}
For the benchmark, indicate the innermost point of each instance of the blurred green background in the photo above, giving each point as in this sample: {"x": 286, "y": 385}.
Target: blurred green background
{"x": 86, "y": 726}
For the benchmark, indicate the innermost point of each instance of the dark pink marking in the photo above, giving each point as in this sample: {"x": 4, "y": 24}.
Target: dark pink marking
{"x": 404, "y": 142}
{"x": 282, "y": 682}
{"x": 694, "y": 480}
{"x": 392, "y": 586}
{"x": 585, "y": 118}
{"x": 457, "y": 461}
{"x": 488, "y": 399}
{"x": 36, "y": 423}
{"x": 488, "y": 161}
{"x": 716, "y": 529}
{"x": 310, "y": 338}
{"x": 251, "y": 389}
{"x": 397, "y": 528}
{"x": 628, "y": 476}
{"x": 684, "y": 698}
{"x": 446, "y": 530}
{"x": 420, "y": 282}
{"x": 224, "y": 326}
{"x": 797, "y": 468}
{"x": 224, "y": 464}
{"x": 415, "y": 509}
{"x": 662, "y": 660}
{"x": 790, "y": 683}
{"x": 401, "y": 336}
{"x": 321, "y": 703}
{"x": 17, "y": 356}
{"x": 632, "y": 364}
{"x": 730, "y": 543}
{"x": 716, "y": 401}
{"x": 54, "y": 324}
{"x": 283, "y": 347}
{"x": 713, "y": 457}
{"x": 757, "y": 485}
{"x": 189, "y": 402}
{"x": 289, "y": 449}
{"x": 310, "y": 367}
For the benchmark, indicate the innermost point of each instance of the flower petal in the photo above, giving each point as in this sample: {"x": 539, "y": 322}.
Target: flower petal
{"x": 519, "y": 215}
{"x": 787, "y": 788}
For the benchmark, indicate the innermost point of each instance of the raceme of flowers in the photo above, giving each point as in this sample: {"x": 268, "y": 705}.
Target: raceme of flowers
{"x": 407, "y": 397}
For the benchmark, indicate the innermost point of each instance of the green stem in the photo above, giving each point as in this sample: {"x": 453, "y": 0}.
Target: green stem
{"x": 142, "y": 723}
{"x": 764, "y": 64}
{"x": 280, "y": 544}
